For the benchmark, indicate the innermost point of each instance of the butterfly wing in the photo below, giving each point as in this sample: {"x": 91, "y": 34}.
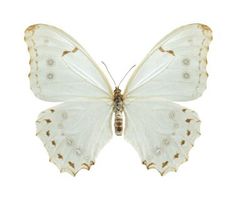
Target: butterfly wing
{"x": 175, "y": 68}
{"x": 74, "y": 132}
{"x": 162, "y": 132}
{"x": 60, "y": 68}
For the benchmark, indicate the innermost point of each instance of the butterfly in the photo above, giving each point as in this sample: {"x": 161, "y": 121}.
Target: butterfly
{"x": 161, "y": 131}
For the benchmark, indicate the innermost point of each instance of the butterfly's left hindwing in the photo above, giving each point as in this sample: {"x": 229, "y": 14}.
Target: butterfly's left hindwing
{"x": 162, "y": 132}
{"x": 74, "y": 132}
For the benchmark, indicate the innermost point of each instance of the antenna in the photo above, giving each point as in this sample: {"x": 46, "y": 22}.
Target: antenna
{"x": 126, "y": 74}
{"x": 109, "y": 72}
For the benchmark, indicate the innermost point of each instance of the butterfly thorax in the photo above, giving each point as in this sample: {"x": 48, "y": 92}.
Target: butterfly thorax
{"x": 118, "y": 109}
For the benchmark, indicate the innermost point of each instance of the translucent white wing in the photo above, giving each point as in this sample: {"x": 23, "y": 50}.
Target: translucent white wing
{"x": 60, "y": 68}
{"x": 175, "y": 68}
{"x": 162, "y": 132}
{"x": 74, "y": 132}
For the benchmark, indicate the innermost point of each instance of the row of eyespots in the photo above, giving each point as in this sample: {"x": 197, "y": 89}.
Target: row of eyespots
{"x": 60, "y": 156}
{"x": 166, "y": 142}
{"x": 186, "y": 62}
{"x": 206, "y": 31}
{"x": 78, "y": 153}
{"x": 50, "y": 62}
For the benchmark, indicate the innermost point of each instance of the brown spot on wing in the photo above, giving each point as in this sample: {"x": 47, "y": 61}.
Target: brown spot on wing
{"x": 176, "y": 155}
{"x": 48, "y": 121}
{"x": 53, "y": 143}
{"x": 71, "y": 164}
{"x": 74, "y": 50}
{"x": 65, "y": 52}
{"x": 86, "y": 166}
{"x": 144, "y": 162}
{"x": 171, "y": 52}
{"x": 149, "y": 165}
{"x": 60, "y": 156}
{"x": 168, "y": 51}
{"x": 188, "y": 133}
{"x": 188, "y": 120}
{"x": 91, "y": 163}
{"x": 48, "y": 133}
{"x": 161, "y": 49}
{"x": 164, "y": 164}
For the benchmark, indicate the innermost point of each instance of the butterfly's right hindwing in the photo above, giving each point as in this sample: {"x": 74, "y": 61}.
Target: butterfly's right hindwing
{"x": 162, "y": 132}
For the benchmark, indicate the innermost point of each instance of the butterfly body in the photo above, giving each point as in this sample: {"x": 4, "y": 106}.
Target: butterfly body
{"x": 118, "y": 109}
{"x": 160, "y": 130}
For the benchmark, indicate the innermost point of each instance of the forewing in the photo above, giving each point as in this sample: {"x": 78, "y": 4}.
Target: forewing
{"x": 162, "y": 132}
{"x": 60, "y": 68}
{"x": 74, "y": 132}
{"x": 175, "y": 68}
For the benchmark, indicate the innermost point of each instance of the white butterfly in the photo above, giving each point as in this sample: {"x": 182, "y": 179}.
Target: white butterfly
{"x": 161, "y": 131}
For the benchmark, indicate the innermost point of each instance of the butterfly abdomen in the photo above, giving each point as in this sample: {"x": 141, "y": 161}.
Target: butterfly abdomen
{"x": 118, "y": 123}
{"x": 118, "y": 109}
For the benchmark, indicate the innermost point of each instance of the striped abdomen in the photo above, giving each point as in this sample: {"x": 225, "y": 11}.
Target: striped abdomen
{"x": 118, "y": 123}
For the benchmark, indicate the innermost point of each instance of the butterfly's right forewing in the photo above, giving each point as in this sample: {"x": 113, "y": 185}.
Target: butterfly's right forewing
{"x": 175, "y": 68}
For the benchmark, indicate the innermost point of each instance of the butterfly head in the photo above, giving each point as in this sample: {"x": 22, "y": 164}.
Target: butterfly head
{"x": 117, "y": 91}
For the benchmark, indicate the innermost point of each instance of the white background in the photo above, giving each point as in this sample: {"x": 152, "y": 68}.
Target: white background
{"x": 119, "y": 33}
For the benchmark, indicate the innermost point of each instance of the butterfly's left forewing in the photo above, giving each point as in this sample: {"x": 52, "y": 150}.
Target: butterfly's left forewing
{"x": 60, "y": 67}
